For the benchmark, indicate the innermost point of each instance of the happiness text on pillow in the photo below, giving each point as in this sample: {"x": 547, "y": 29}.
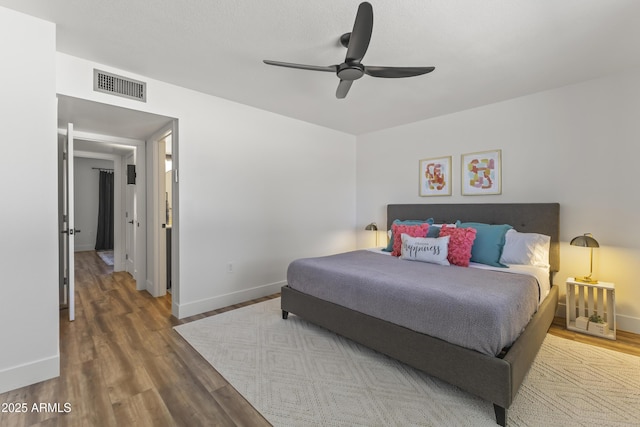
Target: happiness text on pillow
{"x": 415, "y": 249}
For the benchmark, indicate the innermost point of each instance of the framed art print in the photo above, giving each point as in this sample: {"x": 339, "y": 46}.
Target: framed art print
{"x": 481, "y": 173}
{"x": 435, "y": 177}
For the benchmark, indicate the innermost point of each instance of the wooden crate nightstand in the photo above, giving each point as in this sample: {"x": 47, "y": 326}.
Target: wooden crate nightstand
{"x": 586, "y": 299}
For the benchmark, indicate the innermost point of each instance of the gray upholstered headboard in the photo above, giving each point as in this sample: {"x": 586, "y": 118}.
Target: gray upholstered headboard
{"x": 543, "y": 218}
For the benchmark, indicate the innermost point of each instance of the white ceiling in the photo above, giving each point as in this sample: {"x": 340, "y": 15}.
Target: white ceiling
{"x": 484, "y": 51}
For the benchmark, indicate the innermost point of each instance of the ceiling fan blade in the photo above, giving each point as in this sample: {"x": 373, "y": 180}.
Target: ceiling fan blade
{"x": 396, "y": 72}
{"x": 361, "y": 33}
{"x": 331, "y": 68}
{"x": 343, "y": 88}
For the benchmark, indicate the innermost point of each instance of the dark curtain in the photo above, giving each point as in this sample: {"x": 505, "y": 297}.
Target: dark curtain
{"x": 104, "y": 237}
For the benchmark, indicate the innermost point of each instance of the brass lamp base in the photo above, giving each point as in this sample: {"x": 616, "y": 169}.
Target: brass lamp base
{"x": 586, "y": 279}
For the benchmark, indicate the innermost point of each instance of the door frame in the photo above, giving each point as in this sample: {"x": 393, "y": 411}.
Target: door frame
{"x": 118, "y": 206}
{"x": 119, "y": 230}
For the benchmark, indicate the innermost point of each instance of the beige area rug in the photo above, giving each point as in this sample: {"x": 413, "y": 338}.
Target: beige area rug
{"x": 297, "y": 374}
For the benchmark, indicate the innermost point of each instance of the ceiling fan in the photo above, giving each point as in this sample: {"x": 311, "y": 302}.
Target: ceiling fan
{"x": 357, "y": 42}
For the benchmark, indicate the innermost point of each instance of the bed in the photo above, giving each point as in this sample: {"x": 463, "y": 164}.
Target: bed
{"x": 495, "y": 378}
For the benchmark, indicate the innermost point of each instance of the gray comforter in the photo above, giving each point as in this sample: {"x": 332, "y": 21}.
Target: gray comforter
{"x": 479, "y": 309}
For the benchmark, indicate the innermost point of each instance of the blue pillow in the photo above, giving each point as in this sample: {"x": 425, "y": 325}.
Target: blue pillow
{"x": 429, "y": 221}
{"x": 434, "y": 231}
{"x": 489, "y": 242}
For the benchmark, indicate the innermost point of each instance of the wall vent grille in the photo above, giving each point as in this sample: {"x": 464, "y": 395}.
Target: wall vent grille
{"x": 118, "y": 85}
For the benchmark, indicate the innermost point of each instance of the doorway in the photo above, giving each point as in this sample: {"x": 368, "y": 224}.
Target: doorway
{"x": 119, "y": 124}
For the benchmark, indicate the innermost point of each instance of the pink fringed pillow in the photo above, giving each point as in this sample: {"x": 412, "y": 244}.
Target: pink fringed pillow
{"x": 460, "y": 243}
{"x": 419, "y": 230}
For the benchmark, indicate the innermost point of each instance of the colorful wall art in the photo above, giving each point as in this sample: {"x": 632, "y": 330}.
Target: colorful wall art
{"x": 481, "y": 173}
{"x": 435, "y": 177}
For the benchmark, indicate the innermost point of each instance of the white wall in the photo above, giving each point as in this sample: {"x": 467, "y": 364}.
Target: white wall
{"x": 577, "y": 145}
{"x": 256, "y": 189}
{"x": 86, "y": 202}
{"x": 28, "y": 170}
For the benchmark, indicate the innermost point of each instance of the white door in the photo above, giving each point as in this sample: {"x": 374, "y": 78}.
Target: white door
{"x": 131, "y": 222}
{"x": 161, "y": 215}
{"x": 68, "y": 223}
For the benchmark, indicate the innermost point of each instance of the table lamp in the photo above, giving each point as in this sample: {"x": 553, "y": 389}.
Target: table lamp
{"x": 586, "y": 241}
{"x": 373, "y": 227}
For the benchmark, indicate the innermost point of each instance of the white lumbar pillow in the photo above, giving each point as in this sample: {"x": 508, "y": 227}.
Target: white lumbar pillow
{"x": 425, "y": 249}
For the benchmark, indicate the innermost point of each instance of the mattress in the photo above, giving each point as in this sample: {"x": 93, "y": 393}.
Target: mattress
{"x": 480, "y": 309}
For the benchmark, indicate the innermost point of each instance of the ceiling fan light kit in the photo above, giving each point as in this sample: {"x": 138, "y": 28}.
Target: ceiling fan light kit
{"x": 357, "y": 43}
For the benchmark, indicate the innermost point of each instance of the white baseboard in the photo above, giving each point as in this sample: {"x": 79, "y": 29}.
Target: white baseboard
{"x": 29, "y": 373}
{"x": 192, "y": 308}
{"x": 623, "y": 322}
{"x": 628, "y": 323}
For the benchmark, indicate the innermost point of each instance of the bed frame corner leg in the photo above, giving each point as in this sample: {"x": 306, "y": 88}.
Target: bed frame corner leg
{"x": 501, "y": 415}
{"x": 285, "y": 314}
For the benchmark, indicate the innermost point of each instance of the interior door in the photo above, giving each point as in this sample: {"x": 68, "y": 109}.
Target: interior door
{"x": 130, "y": 226}
{"x": 161, "y": 215}
{"x": 68, "y": 222}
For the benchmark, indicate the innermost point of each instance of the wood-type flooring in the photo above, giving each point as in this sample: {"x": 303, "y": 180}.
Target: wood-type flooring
{"x": 122, "y": 364}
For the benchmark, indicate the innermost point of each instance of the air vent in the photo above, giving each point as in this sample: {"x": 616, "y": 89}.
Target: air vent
{"x": 118, "y": 85}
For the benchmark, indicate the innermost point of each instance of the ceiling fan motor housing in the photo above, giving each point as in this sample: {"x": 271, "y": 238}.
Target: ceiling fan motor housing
{"x": 350, "y": 71}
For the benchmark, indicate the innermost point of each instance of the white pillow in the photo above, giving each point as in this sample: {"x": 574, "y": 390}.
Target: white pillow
{"x": 526, "y": 248}
{"x": 425, "y": 249}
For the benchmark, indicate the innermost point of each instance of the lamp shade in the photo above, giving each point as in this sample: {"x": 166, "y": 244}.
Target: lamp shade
{"x": 372, "y": 227}
{"x": 585, "y": 241}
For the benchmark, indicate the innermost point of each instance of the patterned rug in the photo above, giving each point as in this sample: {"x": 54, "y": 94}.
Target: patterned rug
{"x": 297, "y": 374}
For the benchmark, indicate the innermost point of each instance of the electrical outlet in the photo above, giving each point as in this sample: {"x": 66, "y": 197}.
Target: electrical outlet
{"x": 229, "y": 267}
